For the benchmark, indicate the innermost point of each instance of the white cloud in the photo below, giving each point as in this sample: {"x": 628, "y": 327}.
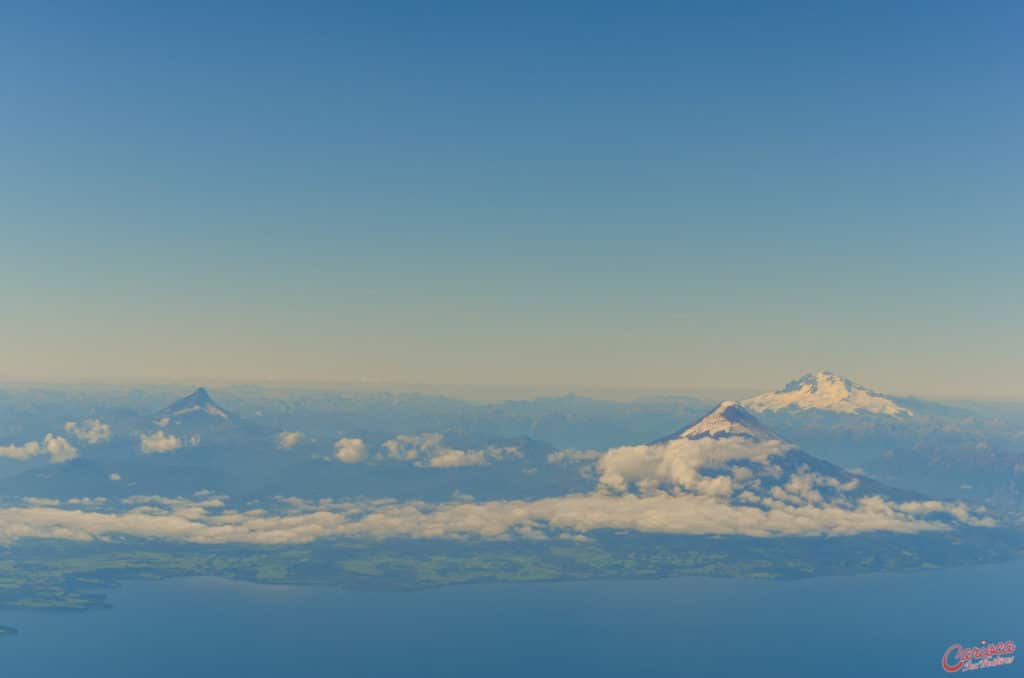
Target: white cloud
{"x": 730, "y": 485}
{"x": 286, "y": 440}
{"x": 39, "y": 501}
{"x": 59, "y": 449}
{"x": 210, "y": 520}
{"x": 679, "y": 463}
{"x": 584, "y": 461}
{"x": 87, "y": 501}
{"x": 350, "y": 450}
{"x": 447, "y": 458}
{"x": 411, "y": 447}
{"x": 429, "y": 450}
{"x": 90, "y": 431}
{"x": 20, "y": 452}
{"x": 958, "y": 511}
{"x": 159, "y": 442}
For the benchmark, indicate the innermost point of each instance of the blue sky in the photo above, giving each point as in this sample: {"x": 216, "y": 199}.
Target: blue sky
{"x": 686, "y": 196}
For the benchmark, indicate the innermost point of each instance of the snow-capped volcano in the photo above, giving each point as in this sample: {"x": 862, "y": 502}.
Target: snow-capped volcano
{"x": 727, "y": 451}
{"x": 728, "y": 420}
{"x": 198, "y": 405}
{"x": 730, "y": 458}
{"x": 829, "y": 392}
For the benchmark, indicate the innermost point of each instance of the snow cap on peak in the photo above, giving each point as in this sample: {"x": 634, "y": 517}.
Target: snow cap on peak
{"x": 818, "y": 380}
{"x": 826, "y": 391}
{"x": 729, "y": 420}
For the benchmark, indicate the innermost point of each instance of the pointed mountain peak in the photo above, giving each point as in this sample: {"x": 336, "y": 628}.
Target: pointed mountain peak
{"x": 198, "y": 402}
{"x": 731, "y": 411}
{"x": 827, "y": 391}
{"x": 729, "y": 420}
{"x": 199, "y": 396}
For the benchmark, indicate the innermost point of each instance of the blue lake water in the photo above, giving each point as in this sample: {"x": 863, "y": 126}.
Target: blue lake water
{"x": 885, "y": 625}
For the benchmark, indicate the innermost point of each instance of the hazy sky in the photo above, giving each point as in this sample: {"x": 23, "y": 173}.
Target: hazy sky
{"x": 687, "y": 196}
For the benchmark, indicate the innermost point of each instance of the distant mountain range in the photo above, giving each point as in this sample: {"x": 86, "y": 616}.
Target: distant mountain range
{"x": 727, "y": 473}
{"x": 196, "y": 443}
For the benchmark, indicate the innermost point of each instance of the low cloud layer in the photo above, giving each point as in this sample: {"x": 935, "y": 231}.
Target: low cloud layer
{"x": 205, "y": 519}
{"x": 727, "y": 479}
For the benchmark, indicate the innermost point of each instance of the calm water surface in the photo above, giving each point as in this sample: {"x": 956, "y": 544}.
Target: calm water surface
{"x": 880, "y": 625}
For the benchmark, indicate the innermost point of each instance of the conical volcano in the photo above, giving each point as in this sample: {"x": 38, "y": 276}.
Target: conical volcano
{"x": 731, "y": 455}
{"x": 195, "y": 408}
